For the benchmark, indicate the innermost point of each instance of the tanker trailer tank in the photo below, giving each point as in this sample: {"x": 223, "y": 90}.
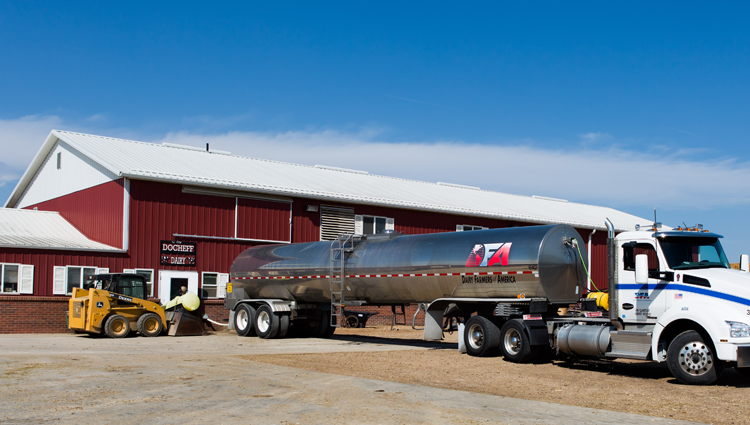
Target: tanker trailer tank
{"x": 529, "y": 262}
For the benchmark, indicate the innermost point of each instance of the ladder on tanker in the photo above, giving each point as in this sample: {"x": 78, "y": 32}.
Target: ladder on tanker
{"x": 340, "y": 247}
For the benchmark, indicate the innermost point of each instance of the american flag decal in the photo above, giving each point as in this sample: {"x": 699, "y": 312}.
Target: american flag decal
{"x": 678, "y": 296}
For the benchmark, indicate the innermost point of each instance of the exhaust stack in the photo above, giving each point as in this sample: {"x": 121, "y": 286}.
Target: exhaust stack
{"x": 611, "y": 277}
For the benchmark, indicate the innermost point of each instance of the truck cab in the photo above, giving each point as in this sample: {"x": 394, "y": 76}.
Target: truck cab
{"x": 680, "y": 281}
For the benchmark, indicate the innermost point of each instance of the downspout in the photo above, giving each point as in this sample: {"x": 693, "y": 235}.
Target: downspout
{"x": 588, "y": 284}
{"x": 611, "y": 278}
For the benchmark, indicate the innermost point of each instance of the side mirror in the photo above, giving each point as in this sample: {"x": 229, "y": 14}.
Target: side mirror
{"x": 745, "y": 263}
{"x": 641, "y": 269}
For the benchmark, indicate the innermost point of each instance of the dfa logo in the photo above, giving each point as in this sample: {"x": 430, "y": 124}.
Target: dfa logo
{"x": 488, "y": 255}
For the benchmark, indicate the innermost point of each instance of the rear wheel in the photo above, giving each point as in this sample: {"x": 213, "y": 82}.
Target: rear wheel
{"x": 283, "y": 325}
{"x": 693, "y": 361}
{"x": 482, "y": 337}
{"x": 266, "y": 323}
{"x": 117, "y": 326}
{"x": 515, "y": 344}
{"x": 150, "y": 325}
{"x": 244, "y": 317}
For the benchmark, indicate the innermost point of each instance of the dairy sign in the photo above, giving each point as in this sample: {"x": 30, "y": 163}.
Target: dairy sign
{"x": 176, "y": 253}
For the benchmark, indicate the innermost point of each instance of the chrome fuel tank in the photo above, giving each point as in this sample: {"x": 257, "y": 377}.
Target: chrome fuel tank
{"x": 534, "y": 261}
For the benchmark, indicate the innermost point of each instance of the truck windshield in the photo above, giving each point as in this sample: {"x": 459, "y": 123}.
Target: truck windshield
{"x": 693, "y": 253}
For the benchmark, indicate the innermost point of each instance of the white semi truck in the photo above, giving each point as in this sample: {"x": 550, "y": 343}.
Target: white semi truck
{"x": 672, "y": 296}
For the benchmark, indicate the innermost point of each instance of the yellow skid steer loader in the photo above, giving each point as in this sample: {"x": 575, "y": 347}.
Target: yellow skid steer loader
{"x": 114, "y": 304}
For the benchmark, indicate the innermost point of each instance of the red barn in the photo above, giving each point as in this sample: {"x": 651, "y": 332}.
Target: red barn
{"x": 179, "y": 215}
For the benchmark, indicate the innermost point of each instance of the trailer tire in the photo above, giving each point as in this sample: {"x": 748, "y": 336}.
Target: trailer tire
{"x": 482, "y": 337}
{"x": 744, "y": 371}
{"x": 693, "y": 361}
{"x": 150, "y": 325}
{"x": 352, "y": 321}
{"x": 266, "y": 322}
{"x": 283, "y": 325}
{"x": 514, "y": 343}
{"x": 117, "y": 326}
{"x": 323, "y": 329}
{"x": 244, "y": 317}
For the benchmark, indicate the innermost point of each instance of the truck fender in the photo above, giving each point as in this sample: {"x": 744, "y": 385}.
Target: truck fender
{"x": 704, "y": 314}
{"x": 277, "y": 306}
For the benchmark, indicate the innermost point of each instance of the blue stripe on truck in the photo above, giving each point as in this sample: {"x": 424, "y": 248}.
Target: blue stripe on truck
{"x": 686, "y": 288}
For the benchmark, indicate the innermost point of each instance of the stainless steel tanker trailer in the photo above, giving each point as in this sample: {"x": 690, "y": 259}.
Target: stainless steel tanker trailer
{"x": 500, "y": 273}
{"x": 672, "y": 295}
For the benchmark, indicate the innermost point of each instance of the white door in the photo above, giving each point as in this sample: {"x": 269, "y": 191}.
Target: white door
{"x": 170, "y": 282}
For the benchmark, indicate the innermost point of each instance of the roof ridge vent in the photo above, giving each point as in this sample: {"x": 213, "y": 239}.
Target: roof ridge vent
{"x": 175, "y": 145}
{"x": 347, "y": 170}
{"x": 458, "y": 185}
{"x": 546, "y": 198}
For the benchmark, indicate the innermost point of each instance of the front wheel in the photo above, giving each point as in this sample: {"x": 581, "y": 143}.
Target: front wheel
{"x": 481, "y": 337}
{"x": 693, "y": 361}
{"x": 150, "y": 325}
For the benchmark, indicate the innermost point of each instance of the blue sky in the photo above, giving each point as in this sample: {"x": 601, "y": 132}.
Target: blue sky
{"x": 629, "y": 105}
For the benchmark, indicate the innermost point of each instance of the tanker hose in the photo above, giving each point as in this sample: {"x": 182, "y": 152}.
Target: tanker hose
{"x": 205, "y": 317}
{"x": 585, "y": 269}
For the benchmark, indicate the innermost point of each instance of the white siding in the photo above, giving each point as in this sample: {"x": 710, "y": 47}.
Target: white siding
{"x": 77, "y": 172}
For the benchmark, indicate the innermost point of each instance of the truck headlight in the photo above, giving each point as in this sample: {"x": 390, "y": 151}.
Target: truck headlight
{"x": 738, "y": 329}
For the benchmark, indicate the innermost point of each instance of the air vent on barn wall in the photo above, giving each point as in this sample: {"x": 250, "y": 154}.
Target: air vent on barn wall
{"x": 335, "y": 221}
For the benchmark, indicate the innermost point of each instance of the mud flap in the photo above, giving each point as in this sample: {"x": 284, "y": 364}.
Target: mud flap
{"x": 182, "y": 323}
{"x": 538, "y": 333}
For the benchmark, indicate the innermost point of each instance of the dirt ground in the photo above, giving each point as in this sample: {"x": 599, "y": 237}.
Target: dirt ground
{"x": 371, "y": 375}
{"x": 625, "y": 386}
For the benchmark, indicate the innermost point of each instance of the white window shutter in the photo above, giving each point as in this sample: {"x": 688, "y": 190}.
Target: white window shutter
{"x": 27, "y": 280}
{"x": 100, "y": 271}
{"x": 390, "y": 224}
{"x": 221, "y": 290}
{"x": 58, "y": 287}
{"x": 131, "y": 271}
{"x": 359, "y": 227}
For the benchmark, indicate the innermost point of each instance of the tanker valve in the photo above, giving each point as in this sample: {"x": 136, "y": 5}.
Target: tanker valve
{"x": 572, "y": 242}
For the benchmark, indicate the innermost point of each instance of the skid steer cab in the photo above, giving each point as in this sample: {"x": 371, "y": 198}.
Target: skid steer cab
{"x": 114, "y": 304}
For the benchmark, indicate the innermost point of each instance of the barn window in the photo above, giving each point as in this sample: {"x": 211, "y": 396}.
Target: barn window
{"x": 214, "y": 285}
{"x": 59, "y": 160}
{"x": 17, "y": 278}
{"x": 66, "y": 278}
{"x": 148, "y": 274}
{"x": 371, "y": 225}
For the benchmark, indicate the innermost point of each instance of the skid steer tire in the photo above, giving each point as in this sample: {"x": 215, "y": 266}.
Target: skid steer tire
{"x": 150, "y": 325}
{"x": 117, "y": 326}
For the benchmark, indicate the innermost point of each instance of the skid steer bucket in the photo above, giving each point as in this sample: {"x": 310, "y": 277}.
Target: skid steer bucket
{"x": 183, "y": 323}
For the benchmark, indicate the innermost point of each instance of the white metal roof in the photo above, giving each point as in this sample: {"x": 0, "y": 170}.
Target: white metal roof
{"x": 43, "y": 229}
{"x": 170, "y": 163}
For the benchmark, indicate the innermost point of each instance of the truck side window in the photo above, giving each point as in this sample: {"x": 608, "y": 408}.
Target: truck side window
{"x": 630, "y": 250}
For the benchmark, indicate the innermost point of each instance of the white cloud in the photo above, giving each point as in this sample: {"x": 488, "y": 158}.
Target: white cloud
{"x": 611, "y": 177}
{"x": 21, "y": 138}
